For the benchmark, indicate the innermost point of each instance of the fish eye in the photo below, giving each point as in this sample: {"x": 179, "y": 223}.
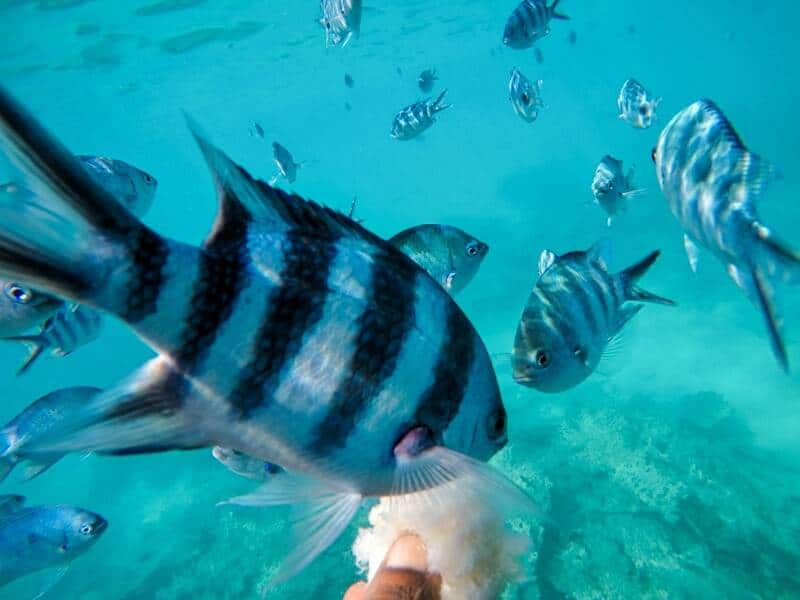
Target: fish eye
{"x": 496, "y": 426}
{"x": 644, "y": 110}
{"x": 542, "y": 358}
{"x": 653, "y": 154}
{"x": 148, "y": 179}
{"x": 86, "y": 529}
{"x": 525, "y": 98}
{"x": 18, "y": 294}
{"x": 473, "y": 249}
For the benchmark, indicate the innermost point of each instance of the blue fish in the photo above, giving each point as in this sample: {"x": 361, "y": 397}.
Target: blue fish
{"x": 244, "y": 465}
{"x": 530, "y": 22}
{"x": 636, "y": 105}
{"x": 416, "y": 118}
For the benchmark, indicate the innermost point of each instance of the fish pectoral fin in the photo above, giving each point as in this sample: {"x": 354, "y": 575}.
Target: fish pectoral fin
{"x": 36, "y": 346}
{"x": 635, "y": 193}
{"x": 626, "y": 313}
{"x": 692, "y": 252}
{"x": 320, "y": 513}
{"x": 546, "y": 260}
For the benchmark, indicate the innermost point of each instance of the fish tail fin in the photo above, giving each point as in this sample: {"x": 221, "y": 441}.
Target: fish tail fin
{"x": 36, "y": 345}
{"x": 774, "y": 257}
{"x": 437, "y": 104}
{"x": 144, "y": 413}
{"x": 557, "y": 15}
{"x": 630, "y": 276}
{"x": 70, "y": 239}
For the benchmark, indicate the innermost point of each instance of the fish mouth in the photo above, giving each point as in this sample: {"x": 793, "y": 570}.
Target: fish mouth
{"x": 99, "y": 526}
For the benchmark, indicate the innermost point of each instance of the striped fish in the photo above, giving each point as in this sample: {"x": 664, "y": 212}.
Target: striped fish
{"x": 636, "y": 105}
{"x": 341, "y": 20}
{"x": 575, "y": 309}
{"x": 525, "y": 96}
{"x": 530, "y": 22}
{"x": 284, "y": 160}
{"x": 611, "y": 188}
{"x": 712, "y": 182}
{"x": 70, "y": 328}
{"x": 245, "y": 466}
{"x": 416, "y": 118}
{"x": 293, "y": 334}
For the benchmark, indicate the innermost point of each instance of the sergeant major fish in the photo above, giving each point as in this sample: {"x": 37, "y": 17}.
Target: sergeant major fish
{"x": 131, "y": 186}
{"x": 530, "y": 22}
{"x": 575, "y": 309}
{"x": 712, "y": 183}
{"x": 525, "y": 96}
{"x": 40, "y": 537}
{"x": 284, "y": 160}
{"x": 611, "y": 189}
{"x": 449, "y": 255}
{"x": 426, "y": 80}
{"x": 293, "y": 334}
{"x": 416, "y": 118}
{"x": 636, "y": 105}
{"x": 341, "y": 20}
{"x": 245, "y": 466}
{"x": 39, "y": 417}
{"x": 67, "y": 330}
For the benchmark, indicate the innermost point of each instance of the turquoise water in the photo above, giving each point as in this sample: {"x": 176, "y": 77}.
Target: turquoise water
{"x": 671, "y": 474}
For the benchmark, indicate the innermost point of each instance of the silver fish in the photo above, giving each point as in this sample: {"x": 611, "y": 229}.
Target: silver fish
{"x": 41, "y": 537}
{"x": 426, "y": 80}
{"x": 22, "y": 307}
{"x": 284, "y": 160}
{"x": 530, "y": 22}
{"x": 39, "y": 417}
{"x": 449, "y": 255}
{"x": 293, "y": 334}
{"x": 245, "y": 466}
{"x": 67, "y": 330}
{"x": 575, "y": 309}
{"x": 525, "y": 96}
{"x": 341, "y": 20}
{"x": 636, "y": 105}
{"x": 712, "y": 183}
{"x": 131, "y": 186}
{"x": 611, "y": 188}
{"x": 417, "y": 117}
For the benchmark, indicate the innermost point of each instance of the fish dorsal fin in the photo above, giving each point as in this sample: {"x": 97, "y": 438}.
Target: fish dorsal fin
{"x": 600, "y": 253}
{"x": 546, "y": 260}
{"x": 243, "y": 198}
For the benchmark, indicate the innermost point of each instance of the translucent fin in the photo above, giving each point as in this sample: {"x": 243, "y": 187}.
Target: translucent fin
{"x": 600, "y": 252}
{"x": 626, "y": 313}
{"x": 758, "y": 174}
{"x": 692, "y": 252}
{"x": 320, "y": 513}
{"x": 635, "y": 193}
{"x": 557, "y": 15}
{"x": 37, "y": 465}
{"x": 546, "y": 260}
{"x": 49, "y": 585}
{"x": 775, "y": 258}
{"x": 36, "y": 346}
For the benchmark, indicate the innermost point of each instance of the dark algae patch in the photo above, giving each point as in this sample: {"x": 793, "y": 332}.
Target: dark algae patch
{"x": 200, "y": 37}
{"x": 166, "y": 6}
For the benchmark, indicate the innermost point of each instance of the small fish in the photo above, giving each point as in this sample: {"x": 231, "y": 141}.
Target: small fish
{"x": 399, "y": 71}
{"x": 348, "y": 107}
{"x": 258, "y": 129}
{"x": 22, "y": 307}
{"x": 712, "y": 184}
{"x": 636, "y": 105}
{"x": 131, "y": 186}
{"x": 575, "y": 310}
{"x": 537, "y": 53}
{"x": 36, "y": 420}
{"x": 572, "y": 38}
{"x": 348, "y": 81}
{"x": 611, "y": 189}
{"x": 287, "y": 168}
{"x": 530, "y": 22}
{"x": 245, "y": 466}
{"x": 449, "y": 255}
{"x": 426, "y": 80}
{"x": 341, "y": 20}
{"x": 67, "y": 330}
{"x": 417, "y": 117}
{"x": 525, "y": 96}
{"x": 10, "y": 503}
{"x": 40, "y": 537}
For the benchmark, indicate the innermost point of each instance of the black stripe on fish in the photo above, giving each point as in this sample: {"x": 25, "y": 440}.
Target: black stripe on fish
{"x": 149, "y": 254}
{"x": 222, "y": 270}
{"x": 600, "y": 290}
{"x": 164, "y": 397}
{"x": 578, "y": 291}
{"x": 293, "y": 308}
{"x": 439, "y": 404}
{"x": 382, "y": 330}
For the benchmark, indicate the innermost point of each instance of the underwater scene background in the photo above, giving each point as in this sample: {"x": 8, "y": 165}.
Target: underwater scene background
{"x": 671, "y": 473}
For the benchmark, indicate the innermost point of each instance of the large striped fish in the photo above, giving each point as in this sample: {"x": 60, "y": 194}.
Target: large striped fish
{"x": 525, "y": 96}
{"x": 712, "y": 182}
{"x": 530, "y": 22}
{"x": 293, "y": 335}
{"x": 575, "y": 309}
{"x": 411, "y": 121}
{"x": 341, "y": 20}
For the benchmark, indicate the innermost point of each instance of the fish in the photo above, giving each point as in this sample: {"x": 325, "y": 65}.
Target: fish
{"x": 135, "y": 188}
{"x": 572, "y": 38}
{"x": 416, "y": 118}
{"x": 575, "y": 312}
{"x": 426, "y": 80}
{"x": 348, "y": 107}
{"x": 10, "y": 503}
{"x": 257, "y": 129}
{"x": 41, "y": 537}
{"x": 537, "y": 53}
{"x": 348, "y": 80}
{"x": 611, "y": 188}
{"x": 245, "y": 466}
{"x": 529, "y": 23}
{"x": 450, "y": 255}
{"x": 292, "y": 334}
{"x": 284, "y": 160}
{"x": 341, "y": 20}
{"x": 39, "y": 417}
{"x": 71, "y": 327}
{"x": 636, "y": 105}
{"x": 712, "y": 183}
{"x": 525, "y": 96}
{"x": 22, "y": 307}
